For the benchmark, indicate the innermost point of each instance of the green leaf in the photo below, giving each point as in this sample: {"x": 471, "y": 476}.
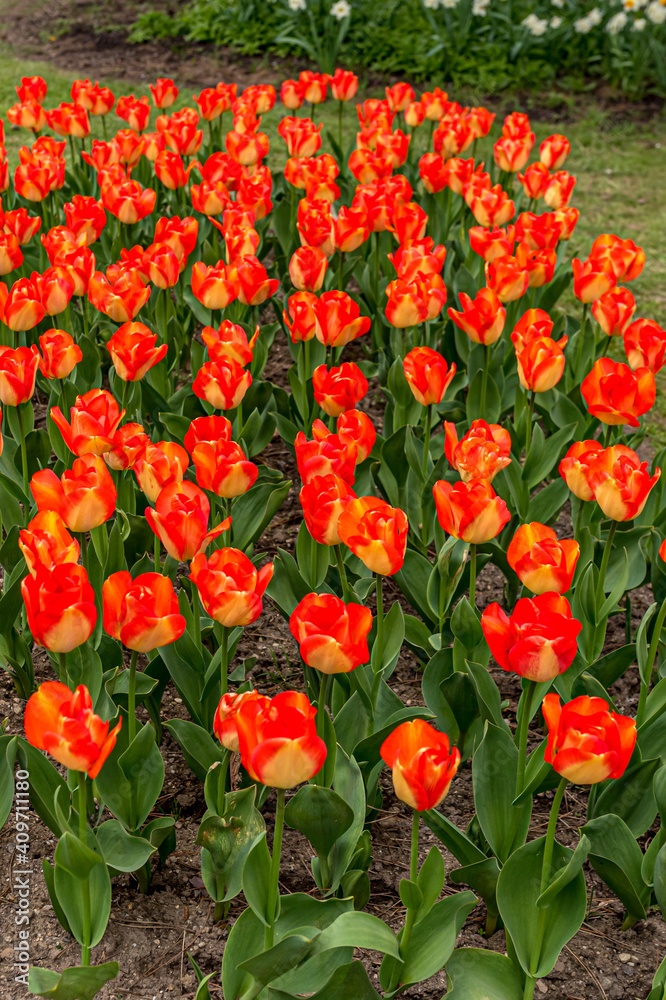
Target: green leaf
{"x": 199, "y": 748}
{"x": 227, "y": 841}
{"x": 313, "y": 558}
{"x": 410, "y": 895}
{"x": 132, "y": 777}
{"x": 493, "y": 406}
{"x": 256, "y": 879}
{"x": 494, "y": 770}
{"x": 546, "y": 505}
{"x": 348, "y": 783}
{"x": 631, "y": 797}
{"x": 519, "y": 887}
{"x": 253, "y": 512}
{"x": 461, "y": 846}
{"x": 45, "y": 781}
{"x": 68, "y": 890}
{"x": 617, "y": 859}
{"x": 348, "y": 982}
{"x": 433, "y": 938}
{"x": 488, "y": 695}
{"x": 355, "y": 929}
{"x": 281, "y": 958}
{"x": 430, "y": 881}
{"x": 481, "y": 974}
{"x": 120, "y": 849}
{"x": 75, "y": 983}
{"x": 567, "y": 874}
{"x": 320, "y": 814}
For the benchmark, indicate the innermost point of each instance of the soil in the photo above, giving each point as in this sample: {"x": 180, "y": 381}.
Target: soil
{"x": 151, "y": 935}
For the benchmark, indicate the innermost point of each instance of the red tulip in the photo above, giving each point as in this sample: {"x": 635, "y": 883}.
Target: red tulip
{"x": 134, "y": 351}
{"x": 222, "y": 468}
{"x": 180, "y": 520}
{"x": 645, "y": 344}
{"x": 427, "y": 374}
{"x": 542, "y": 561}
{"x": 47, "y": 542}
{"x": 587, "y": 743}
{"x": 142, "y": 613}
{"x": 332, "y": 635}
{"x": 423, "y": 764}
{"x": 222, "y": 383}
{"x": 60, "y": 605}
{"x": 620, "y": 482}
{"x": 339, "y": 389}
{"x": 224, "y": 724}
{"x": 18, "y": 371}
{"x": 470, "y": 511}
{"x": 94, "y": 419}
{"x": 323, "y": 499}
{"x": 60, "y": 354}
{"x": 230, "y": 587}
{"x": 482, "y": 318}
{"x": 159, "y": 465}
{"x": 278, "y": 740}
{"x": 376, "y": 533}
{"x": 538, "y": 641}
{"x": 481, "y": 453}
{"x": 355, "y": 428}
{"x": 326, "y": 454}
{"x": 614, "y": 394}
{"x": 84, "y": 496}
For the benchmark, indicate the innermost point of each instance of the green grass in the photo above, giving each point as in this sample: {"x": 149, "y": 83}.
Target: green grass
{"x": 620, "y": 171}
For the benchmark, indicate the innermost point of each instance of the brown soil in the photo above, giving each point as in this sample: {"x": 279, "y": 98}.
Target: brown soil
{"x": 150, "y": 935}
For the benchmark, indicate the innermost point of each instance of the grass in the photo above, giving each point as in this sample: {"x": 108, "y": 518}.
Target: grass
{"x": 619, "y": 167}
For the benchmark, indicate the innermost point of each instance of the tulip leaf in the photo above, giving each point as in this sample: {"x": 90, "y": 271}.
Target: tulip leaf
{"x": 226, "y": 842}
{"x": 256, "y": 879}
{"x": 253, "y": 512}
{"x": 132, "y": 777}
{"x": 461, "y": 846}
{"x": 617, "y": 859}
{"x": 546, "y": 505}
{"x": 355, "y": 929}
{"x": 659, "y": 878}
{"x": 433, "y": 939}
{"x": 493, "y": 403}
{"x": 609, "y": 668}
{"x": 68, "y": 889}
{"x": 617, "y": 591}
{"x": 48, "y": 872}
{"x": 566, "y": 874}
{"x": 479, "y": 974}
{"x": 519, "y": 887}
{"x": 410, "y": 894}
{"x": 488, "y": 695}
{"x": 8, "y": 750}
{"x": 538, "y": 468}
{"x": 45, "y": 781}
{"x": 494, "y": 770}
{"x": 75, "y": 983}
{"x": 199, "y": 748}
{"x": 75, "y": 857}
{"x": 413, "y": 582}
{"x": 313, "y": 558}
{"x": 481, "y": 877}
{"x": 120, "y": 849}
{"x": 393, "y": 638}
{"x": 347, "y": 982}
{"x": 269, "y": 965}
{"x": 320, "y": 814}
{"x": 430, "y": 881}
{"x": 631, "y": 797}
{"x": 11, "y": 603}
{"x": 642, "y": 645}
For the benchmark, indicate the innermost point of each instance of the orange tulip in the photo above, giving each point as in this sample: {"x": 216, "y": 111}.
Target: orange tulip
{"x": 69, "y": 119}
{"x": 134, "y": 351}
{"x": 559, "y": 189}
{"x": 164, "y": 92}
{"x": 540, "y": 362}
{"x": 613, "y": 311}
{"x": 327, "y": 454}
{"x": 534, "y": 180}
{"x": 21, "y": 225}
{"x": 376, "y": 533}
{"x": 60, "y": 605}
{"x": 538, "y": 641}
{"x": 645, "y": 344}
{"x": 481, "y": 453}
{"x": 418, "y": 259}
{"x": 512, "y": 153}
{"x": 575, "y": 467}
{"x": 229, "y": 341}
{"x": 323, "y": 499}
{"x": 47, "y": 542}
{"x": 222, "y": 468}
{"x": 406, "y": 305}
{"x": 351, "y": 229}
{"x": 344, "y": 85}
{"x": 623, "y": 257}
{"x": 63, "y": 723}
{"x": 254, "y": 285}
{"x": 143, "y": 612}
{"x": 134, "y": 110}
{"x": 207, "y": 429}
{"x": 423, "y": 764}
{"x": 121, "y": 300}
{"x": 491, "y": 243}
{"x": 620, "y": 482}
{"x": 222, "y": 383}
{"x": 592, "y": 279}
{"x": 212, "y": 103}
{"x": 60, "y": 355}
{"x": 95, "y": 99}
{"x": 209, "y": 197}
{"x": 316, "y": 227}
{"x": 159, "y": 465}
{"x": 18, "y": 371}
{"x": 542, "y": 561}
{"x": 302, "y": 136}
{"x": 615, "y": 394}
{"x": 470, "y": 511}
{"x": 84, "y": 496}
{"x": 332, "y": 636}
{"x": 567, "y": 218}
{"x": 508, "y": 277}
{"x": 539, "y": 232}
{"x": 307, "y": 269}
{"x": 490, "y": 206}
{"x": 433, "y": 172}
{"x": 215, "y": 287}
{"x": 292, "y": 94}
{"x": 301, "y": 320}
{"x": 338, "y": 320}
{"x": 415, "y": 115}
{"x": 554, "y": 150}
{"x": 428, "y": 375}
{"x": 180, "y": 520}
{"x": 55, "y": 289}
{"x": 587, "y": 743}
{"x": 94, "y": 419}
{"x": 230, "y": 587}
{"x": 28, "y": 114}
{"x": 170, "y": 170}
{"x": 10, "y": 253}
{"x": 355, "y": 428}
{"x": 278, "y": 741}
{"x": 21, "y": 307}
{"x": 128, "y": 200}
{"x": 482, "y": 318}
{"x": 127, "y": 445}
{"x": 339, "y": 389}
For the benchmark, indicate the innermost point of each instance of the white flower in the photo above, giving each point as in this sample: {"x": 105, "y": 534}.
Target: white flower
{"x": 480, "y": 8}
{"x": 340, "y": 10}
{"x": 555, "y": 22}
{"x": 557, "y": 3}
{"x": 296, "y": 5}
{"x": 535, "y": 25}
{"x": 583, "y": 26}
{"x": 639, "y": 24}
{"x": 656, "y": 12}
{"x": 594, "y": 16}
{"x": 448, "y": 4}
{"x": 616, "y": 23}
{"x": 431, "y": 4}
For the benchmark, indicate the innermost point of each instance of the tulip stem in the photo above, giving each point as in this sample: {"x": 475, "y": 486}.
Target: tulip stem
{"x": 526, "y": 698}
{"x": 548, "y": 846}
{"x": 530, "y": 417}
{"x": 649, "y": 666}
{"x": 340, "y": 272}
{"x": 157, "y": 553}
{"x": 85, "y": 885}
{"x": 579, "y": 519}
{"x": 581, "y": 338}
{"x": 340, "y": 109}
{"x": 426, "y": 442}
{"x": 273, "y": 887}
{"x": 62, "y": 667}
{"x": 224, "y": 661}
{"x": 346, "y": 595}
{"x": 608, "y": 435}
{"x": 131, "y": 697}
{"x": 414, "y": 857}
{"x": 83, "y": 542}
{"x": 604, "y": 563}
{"x": 484, "y": 378}
{"x": 321, "y": 704}
{"x": 24, "y": 465}
{"x": 472, "y": 575}
{"x": 379, "y": 643}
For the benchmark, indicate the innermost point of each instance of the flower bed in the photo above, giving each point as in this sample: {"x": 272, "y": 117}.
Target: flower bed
{"x": 443, "y": 412}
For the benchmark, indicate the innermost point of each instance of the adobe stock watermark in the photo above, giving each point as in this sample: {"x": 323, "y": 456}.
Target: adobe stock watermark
{"x": 21, "y": 875}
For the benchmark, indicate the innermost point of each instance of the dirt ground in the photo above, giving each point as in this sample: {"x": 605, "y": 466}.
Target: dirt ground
{"x": 151, "y": 935}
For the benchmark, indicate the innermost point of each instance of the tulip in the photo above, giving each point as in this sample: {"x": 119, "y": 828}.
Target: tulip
{"x": 344, "y": 85}
{"x": 180, "y": 520}
{"x": 355, "y": 428}
{"x": 417, "y": 259}
{"x": 121, "y": 299}
{"x": 254, "y": 285}
{"x": 63, "y": 723}
{"x": 620, "y": 482}
{"x": 491, "y": 243}
{"x": 512, "y": 153}
{"x": 316, "y": 227}
{"x": 539, "y": 232}
{"x": 428, "y": 375}
{"x": 10, "y": 253}
{"x": 142, "y": 613}
{"x": 210, "y": 429}
{"x": 301, "y": 135}
{"x": 95, "y": 99}
{"x": 179, "y": 234}
{"x": 508, "y": 277}
{"x": 211, "y": 103}
{"x": 406, "y": 305}
{"x": 615, "y": 394}
{"x": 338, "y": 320}
{"x": 60, "y": 354}
{"x": 164, "y": 92}
{"x": 222, "y": 383}
{"x": 127, "y": 445}
{"x": 327, "y": 454}
{"x": 134, "y": 351}
{"x": 540, "y": 362}
{"x": 222, "y": 468}
{"x": 210, "y": 198}
{"x": 323, "y": 499}
{"x": 278, "y": 741}
{"x": 423, "y": 764}
{"x": 351, "y": 229}
{"x": 28, "y": 114}
{"x": 534, "y": 180}
{"x": 554, "y": 150}
{"x": 224, "y": 723}
{"x": 415, "y": 115}
{"x": 47, "y": 542}
{"x": 18, "y": 371}
{"x": 482, "y": 318}
{"x": 94, "y": 419}
{"x": 292, "y": 94}
{"x": 128, "y": 201}
{"x": 60, "y": 605}
{"x": 538, "y": 641}
{"x": 337, "y": 390}
{"x": 230, "y": 587}
{"x": 134, "y": 110}
{"x": 435, "y": 103}
{"x": 575, "y": 467}
{"x": 22, "y": 225}
{"x": 307, "y": 269}
{"x": 215, "y": 287}
{"x": 542, "y": 561}
{"x": 567, "y": 218}
{"x": 587, "y": 743}
{"x": 84, "y": 496}
{"x": 160, "y": 465}
{"x": 613, "y": 311}
{"x": 69, "y": 119}
{"x": 481, "y": 453}
{"x": 332, "y": 635}
{"x": 559, "y": 189}
{"x": 645, "y": 344}
{"x": 301, "y": 319}
{"x": 21, "y": 307}
{"x": 376, "y": 533}
{"x": 592, "y": 279}
{"x": 490, "y": 206}
{"x": 433, "y": 173}
{"x": 229, "y": 341}
{"x": 470, "y": 511}
{"x": 622, "y": 257}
